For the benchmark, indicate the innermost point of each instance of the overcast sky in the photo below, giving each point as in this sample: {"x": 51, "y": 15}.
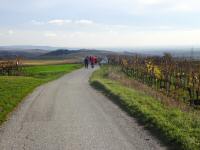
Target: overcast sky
{"x": 100, "y": 23}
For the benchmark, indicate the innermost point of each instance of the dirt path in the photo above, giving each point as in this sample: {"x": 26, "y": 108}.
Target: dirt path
{"x": 68, "y": 114}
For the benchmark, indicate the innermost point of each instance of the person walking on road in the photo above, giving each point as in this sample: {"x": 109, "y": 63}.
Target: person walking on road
{"x": 92, "y": 61}
{"x": 86, "y": 61}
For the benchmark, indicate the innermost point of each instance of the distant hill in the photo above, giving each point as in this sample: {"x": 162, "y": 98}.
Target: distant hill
{"x": 59, "y": 52}
{"x": 11, "y": 52}
{"x": 28, "y": 54}
{"x": 74, "y": 54}
{"x": 47, "y": 52}
{"x": 178, "y": 53}
{"x": 27, "y": 47}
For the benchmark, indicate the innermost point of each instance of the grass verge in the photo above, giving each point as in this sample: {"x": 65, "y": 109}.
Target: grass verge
{"x": 14, "y": 88}
{"x": 180, "y": 129}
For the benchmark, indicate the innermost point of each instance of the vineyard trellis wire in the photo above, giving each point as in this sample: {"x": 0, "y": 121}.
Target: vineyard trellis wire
{"x": 177, "y": 78}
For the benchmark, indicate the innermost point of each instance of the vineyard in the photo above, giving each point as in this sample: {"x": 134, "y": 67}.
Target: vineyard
{"x": 10, "y": 67}
{"x": 177, "y": 78}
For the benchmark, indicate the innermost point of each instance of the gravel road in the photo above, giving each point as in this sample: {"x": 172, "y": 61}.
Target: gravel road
{"x": 68, "y": 114}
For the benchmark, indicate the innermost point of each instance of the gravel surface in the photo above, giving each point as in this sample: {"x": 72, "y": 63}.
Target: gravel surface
{"x": 68, "y": 114}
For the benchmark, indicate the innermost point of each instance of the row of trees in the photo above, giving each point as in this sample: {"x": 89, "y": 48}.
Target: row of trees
{"x": 175, "y": 77}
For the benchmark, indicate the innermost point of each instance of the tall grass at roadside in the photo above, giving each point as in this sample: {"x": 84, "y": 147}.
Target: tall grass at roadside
{"x": 178, "y": 128}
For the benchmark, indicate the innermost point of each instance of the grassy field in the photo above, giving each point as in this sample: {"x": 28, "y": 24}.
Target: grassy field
{"x": 178, "y": 128}
{"x": 48, "y": 62}
{"x": 47, "y": 72}
{"x": 14, "y": 88}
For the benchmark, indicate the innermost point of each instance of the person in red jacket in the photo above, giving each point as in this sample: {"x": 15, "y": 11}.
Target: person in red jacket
{"x": 92, "y": 61}
{"x": 95, "y": 59}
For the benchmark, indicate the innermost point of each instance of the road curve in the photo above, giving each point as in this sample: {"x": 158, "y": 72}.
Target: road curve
{"x": 68, "y": 114}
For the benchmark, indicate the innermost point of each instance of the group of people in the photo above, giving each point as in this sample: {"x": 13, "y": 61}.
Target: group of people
{"x": 92, "y": 60}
